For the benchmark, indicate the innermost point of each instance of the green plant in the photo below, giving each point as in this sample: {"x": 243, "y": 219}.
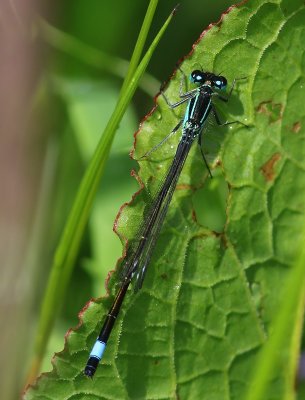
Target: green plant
{"x": 209, "y": 299}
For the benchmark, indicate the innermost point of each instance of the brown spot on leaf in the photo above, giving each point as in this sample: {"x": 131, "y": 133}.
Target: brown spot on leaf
{"x": 218, "y": 162}
{"x": 194, "y": 217}
{"x": 183, "y": 186}
{"x": 296, "y": 127}
{"x": 273, "y": 110}
{"x": 268, "y": 168}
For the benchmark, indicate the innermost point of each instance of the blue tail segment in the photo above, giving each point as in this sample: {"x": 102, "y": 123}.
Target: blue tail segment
{"x": 94, "y": 358}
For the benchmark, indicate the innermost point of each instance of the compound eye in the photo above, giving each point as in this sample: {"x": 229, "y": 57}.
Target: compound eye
{"x": 220, "y": 82}
{"x": 197, "y": 76}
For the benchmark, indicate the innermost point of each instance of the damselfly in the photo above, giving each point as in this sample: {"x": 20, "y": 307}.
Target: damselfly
{"x": 199, "y": 107}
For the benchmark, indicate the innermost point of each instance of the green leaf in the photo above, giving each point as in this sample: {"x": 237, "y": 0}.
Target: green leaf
{"x": 194, "y": 330}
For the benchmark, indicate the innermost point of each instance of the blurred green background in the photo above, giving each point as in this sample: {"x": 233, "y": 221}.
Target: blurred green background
{"x": 64, "y": 62}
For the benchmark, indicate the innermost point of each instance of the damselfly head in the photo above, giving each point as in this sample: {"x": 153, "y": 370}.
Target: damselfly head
{"x": 200, "y": 77}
